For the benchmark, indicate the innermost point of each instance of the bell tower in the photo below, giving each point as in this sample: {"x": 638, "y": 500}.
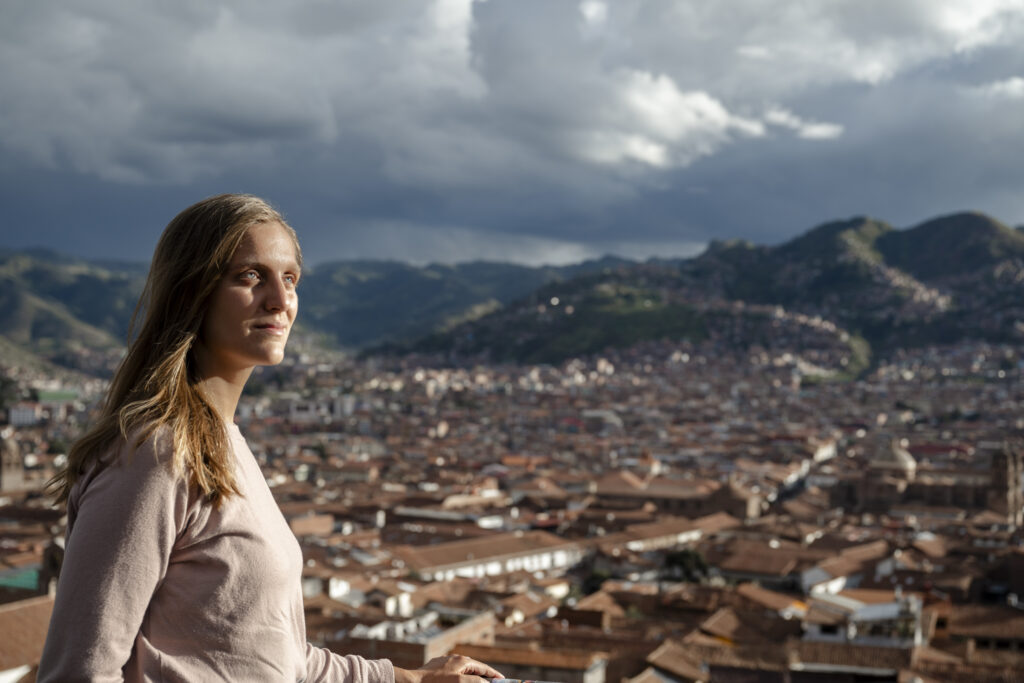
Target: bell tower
{"x": 1006, "y": 495}
{"x": 12, "y": 469}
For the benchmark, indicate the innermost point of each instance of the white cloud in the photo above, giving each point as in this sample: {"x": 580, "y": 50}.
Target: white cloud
{"x": 1011, "y": 88}
{"x": 754, "y": 52}
{"x": 820, "y": 131}
{"x": 652, "y": 121}
{"x": 976, "y": 23}
{"x": 810, "y": 130}
{"x": 595, "y": 12}
{"x": 171, "y": 93}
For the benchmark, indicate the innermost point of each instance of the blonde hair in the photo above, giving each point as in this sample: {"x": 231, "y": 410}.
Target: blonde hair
{"x": 156, "y": 384}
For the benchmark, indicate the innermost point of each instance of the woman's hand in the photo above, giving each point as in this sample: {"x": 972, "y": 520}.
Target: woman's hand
{"x": 450, "y": 669}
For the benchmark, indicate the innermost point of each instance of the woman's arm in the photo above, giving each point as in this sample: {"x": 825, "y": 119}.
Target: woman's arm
{"x": 324, "y": 666}
{"x": 450, "y": 669}
{"x": 119, "y": 544}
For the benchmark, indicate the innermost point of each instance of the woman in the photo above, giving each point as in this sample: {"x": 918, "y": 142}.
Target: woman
{"x": 179, "y": 565}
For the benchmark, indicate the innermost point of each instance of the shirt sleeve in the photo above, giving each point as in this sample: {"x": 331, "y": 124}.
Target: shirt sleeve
{"x": 324, "y": 666}
{"x": 126, "y": 520}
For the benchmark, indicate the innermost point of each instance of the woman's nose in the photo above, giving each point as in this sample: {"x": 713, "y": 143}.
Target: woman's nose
{"x": 278, "y": 295}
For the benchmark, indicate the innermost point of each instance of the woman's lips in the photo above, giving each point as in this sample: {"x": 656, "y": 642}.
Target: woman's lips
{"x": 271, "y": 328}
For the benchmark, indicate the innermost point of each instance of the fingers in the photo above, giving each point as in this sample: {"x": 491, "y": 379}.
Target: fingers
{"x": 463, "y": 666}
{"x": 471, "y": 666}
{"x": 468, "y": 679}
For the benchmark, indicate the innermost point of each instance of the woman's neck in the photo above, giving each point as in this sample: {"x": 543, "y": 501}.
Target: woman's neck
{"x": 223, "y": 393}
{"x": 221, "y": 385}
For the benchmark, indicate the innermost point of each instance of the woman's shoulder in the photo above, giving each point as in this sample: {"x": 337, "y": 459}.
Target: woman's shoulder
{"x": 144, "y": 452}
{"x": 145, "y": 445}
{"x": 136, "y": 471}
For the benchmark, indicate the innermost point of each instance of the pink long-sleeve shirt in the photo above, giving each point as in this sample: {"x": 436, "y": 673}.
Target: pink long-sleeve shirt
{"x": 157, "y": 585}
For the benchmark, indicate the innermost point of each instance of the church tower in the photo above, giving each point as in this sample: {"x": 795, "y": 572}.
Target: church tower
{"x": 1006, "y": 495}
{"x": 12, "y": 469}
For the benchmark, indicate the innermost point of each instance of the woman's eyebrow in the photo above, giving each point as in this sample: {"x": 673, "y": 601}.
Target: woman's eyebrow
{"x": 259, "y": 265}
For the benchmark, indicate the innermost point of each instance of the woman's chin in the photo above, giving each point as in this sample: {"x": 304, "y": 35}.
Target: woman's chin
{"x": 273, "y": 359}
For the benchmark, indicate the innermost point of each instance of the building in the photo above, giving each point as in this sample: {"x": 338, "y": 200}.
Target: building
{"x": 23, "y": 626}
{"x": 12, "y": 468}
{"x": 412, "y": 650}
{"x": 492, "y": 555}
{"x": 565, "y": 666}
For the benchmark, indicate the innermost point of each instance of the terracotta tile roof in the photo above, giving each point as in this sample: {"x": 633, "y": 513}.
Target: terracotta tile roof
{"x": 649, "y": 675}
{"x": 641, "y": 588}
{"x": 757, "y": 557}
{"x": 476, "y": 550}
{"x": 676, "y": 659}
{"x": 712, "y": 651}
{"x": 620, "y": 480}
{"x": 717, "y": 521}
{"x": 663, "y": 527}
{"x": 23, "y": 627}
{"x": 999, "y": 659}
{"x": 802, "y": 510}
{"x": 554, "y": 659}
{"x": 986, "y": 621}
{"x": 874, "y": 596}
{"x": 942, "y": 673}
{"x": 854, "y": 559}
{"x": 988, "y": 518}
{"x": 601, "y": 602}
{"x": 750, "y": 626}
{"x": 841, "y": 566}
{"x": 322, "y": 604}
{"x": 768, "y": 598}
{"x": 927, "y": 654}
{"x": 849, "y": 655}
{"x": 543, "y": 486}
{"x": 826, "y": 617}
{"x": 726, "y": 623}
{"x": 530, "y": 604}
{"x": 454, "y": 593}
{"x": 778, "y": 564}
{"x": 934, "y": 548}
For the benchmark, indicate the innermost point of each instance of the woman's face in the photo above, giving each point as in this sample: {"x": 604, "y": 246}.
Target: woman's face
{"x": 254, "y": 305}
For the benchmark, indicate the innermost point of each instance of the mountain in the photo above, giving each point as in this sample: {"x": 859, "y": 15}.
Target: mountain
{"x": 951, "y": 246}
{"x": 950, "y": 278}
{"x": 579, "y": 316}
{"x": 56, "y": 309}
{"x": 76, "y": 313}
{"x": 101, "y": 296}
{"x": 363, "y": 303}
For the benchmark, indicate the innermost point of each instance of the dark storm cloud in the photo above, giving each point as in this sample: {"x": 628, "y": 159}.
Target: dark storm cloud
{"x": 534, "y": 130}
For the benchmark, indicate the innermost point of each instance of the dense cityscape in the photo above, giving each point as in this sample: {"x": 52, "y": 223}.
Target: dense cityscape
{"x": 667, "y": 512}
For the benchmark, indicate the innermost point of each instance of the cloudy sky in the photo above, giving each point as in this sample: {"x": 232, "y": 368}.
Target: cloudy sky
{"x": 525, "y": 130}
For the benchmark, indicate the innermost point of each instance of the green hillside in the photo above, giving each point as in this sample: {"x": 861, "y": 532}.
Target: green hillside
{"x": 947, "y": 279}
{"x": 963, "y": 243}
{"x": 950, "y": 278}
{"x": 583, "y": 316}
{"x": 363, "y": 303}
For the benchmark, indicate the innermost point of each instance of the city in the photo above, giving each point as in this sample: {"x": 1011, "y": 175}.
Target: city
{"x": 666, "y": 512}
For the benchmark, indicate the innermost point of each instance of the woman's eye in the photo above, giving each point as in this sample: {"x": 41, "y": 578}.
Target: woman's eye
{"x": 250, "y": 276}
